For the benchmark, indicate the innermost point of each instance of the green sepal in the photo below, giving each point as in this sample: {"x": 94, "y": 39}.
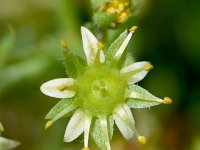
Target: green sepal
{"x": 7, "y": 144}
{"x": 97, "y": 134}
{"x": 122, "y": 59}
{"x": 103, "y": 19}
{"x": 6, "y": 44}
{"x": 115, "y": 46}
{"x": 62, "y": 108}
{"x": 98, "y": 3}
{"x": 1, "y": 128}
{"x": 142, "y": 98}
{"x": 73, "y": 63}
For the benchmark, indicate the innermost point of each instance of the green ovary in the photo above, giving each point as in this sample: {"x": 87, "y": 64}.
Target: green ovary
{"x": 100, "y": 89}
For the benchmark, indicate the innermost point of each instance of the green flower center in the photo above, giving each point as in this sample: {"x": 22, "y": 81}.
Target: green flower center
{"x": 100, "y": 89}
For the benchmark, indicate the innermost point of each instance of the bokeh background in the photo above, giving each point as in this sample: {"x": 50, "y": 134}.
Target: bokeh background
{"x": 30, "y": 54}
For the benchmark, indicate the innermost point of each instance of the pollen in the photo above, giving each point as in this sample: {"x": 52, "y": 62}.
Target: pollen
{"x": 85, "y": 148}
{"x": 167, "y": 100}
{"x": 142, "y": 139}
{"x": 63, "y": 44}
{"x": 48, "y": 124}
{"x": 61, "y": 87}
{"x": 100, "y": 46}
{"x": 148, "y": 67}
{"x": 132, "y": 29}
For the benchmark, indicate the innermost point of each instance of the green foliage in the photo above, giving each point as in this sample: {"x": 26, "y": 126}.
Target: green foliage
{"x": 97, "y": 133}
{"x": 103, "y": 19}
{"x": 115, "y": 45}
{"x": 6, "y": 45}
{"x": 98, "y": 3}
{"x": 141, "y": 98}
{"x": 63, "y": 107}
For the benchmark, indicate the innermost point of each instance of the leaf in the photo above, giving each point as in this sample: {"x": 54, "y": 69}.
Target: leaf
{"x": 98, "y": 3}
{"x": 103, "y": 19}
{"x": 7, "y": 144}
{"x": 97, "y": 134}
{"x": 73, "y": 63}
{"x": 6, "y": 45}
{"x": 63, "y": 107}
{"x": 141, "y": 98}
{"x": 115, "y": 46}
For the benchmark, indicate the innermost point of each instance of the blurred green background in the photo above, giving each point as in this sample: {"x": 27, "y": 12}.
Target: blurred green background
{"x": 30, "y": 54}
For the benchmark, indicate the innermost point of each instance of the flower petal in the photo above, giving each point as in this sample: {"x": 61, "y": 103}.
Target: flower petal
{"x": 75, "y": 126}
{"x": 90, "y": 45}
{"x": 104, "y": 128}
{"x": 135, "y": 72}
{"x": 121, "y": 49}
{"x": 141, "y": 98}
{"x": 58, "y": 88}
{"x": 87, "y": 130}
{"x": 102, "y": 56}
{"x": 6, "y": 144}
{"x": 124, "y": 120}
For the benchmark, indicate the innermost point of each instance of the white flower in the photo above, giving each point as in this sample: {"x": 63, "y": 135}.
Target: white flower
{"x": 100, "y": 92}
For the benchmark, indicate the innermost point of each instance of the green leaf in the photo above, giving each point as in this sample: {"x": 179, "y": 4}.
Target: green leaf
{"x": 1, "y": 128}
{"x": 103, "y": 19}
{"x": 97, "y": 134}
{"x": 115, "y": 46}
{"x": 98, "y": 3}
{"x": 62, "y": 108}
{"x": 6, "y": 45}
{"x": 7, "y": 144}
{"x": 73, "y": 63}
{"x": 141, "y": 98}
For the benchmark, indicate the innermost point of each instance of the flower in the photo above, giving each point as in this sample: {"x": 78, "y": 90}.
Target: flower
{"x": 7, "y": 144}
{"x": 100, "y": 91}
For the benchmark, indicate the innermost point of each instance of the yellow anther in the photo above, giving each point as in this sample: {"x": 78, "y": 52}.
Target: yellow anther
{"x": 61, "y": 87}
{"x": 100, "y": 46}
{"x": 148, "y": 67}
{"x": 126, "y": 4}
{"x": 48, "y": 124}
{"x": 85, "y": 148}
{"x": 63, "y": 44}
{"x": 122, "y": 17}
{"x": 132, "y": 29}
{"x": 167, "y": 100}
{"x": 110, "y": 10}
{"x": 142, "y": 139}
{"x": 121, "y": 7}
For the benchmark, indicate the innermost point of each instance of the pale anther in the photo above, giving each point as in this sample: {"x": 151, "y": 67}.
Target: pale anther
{"x": 132, "y": 29}
{"x": 148, "y": 67}
{"x": 48, "y": 124}
{"x": 167, "y": 100}
{"x": 142, "y": 139}
{"x": 63, "y": 44}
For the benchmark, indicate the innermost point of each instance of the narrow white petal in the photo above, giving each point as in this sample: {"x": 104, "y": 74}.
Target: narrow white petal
{"x": 90, "y": 45}
{"x": 124, "y": 120}
{"x": 123, "y": 46}
{"x": 6, "y": 144}
{"x": 138, "y": 71}
{"x": 75, "y": 126}
{"x": 87, "y": 130}
{"x": 104, "y": 126}
{"x": 58, "y": 88}
{"x": 102, "y": 56}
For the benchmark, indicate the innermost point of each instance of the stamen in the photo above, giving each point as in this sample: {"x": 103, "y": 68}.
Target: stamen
{"x": 110, "y": 10}
{"x": 100, "y": 46}
{"x": 48, "y": 124}
{"x": 142, "y": 139}
{"x": 85, "y": 148}
{"x": 132, "y": 29}
{"x": 167, "y": 100}
{"x": 63, "y": 44}
{"x": 61, "y": 87}
{"x": 148, "y": 67}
